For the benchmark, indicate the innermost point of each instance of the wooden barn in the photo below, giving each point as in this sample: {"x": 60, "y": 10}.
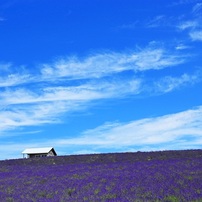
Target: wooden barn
{"x": 39, "y": 152}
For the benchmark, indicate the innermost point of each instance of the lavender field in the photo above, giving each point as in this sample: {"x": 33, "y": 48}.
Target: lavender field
{"x": 123, "y": 177}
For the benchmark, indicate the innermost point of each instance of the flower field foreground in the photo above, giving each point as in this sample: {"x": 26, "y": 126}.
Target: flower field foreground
{"x": 118, "y": 177}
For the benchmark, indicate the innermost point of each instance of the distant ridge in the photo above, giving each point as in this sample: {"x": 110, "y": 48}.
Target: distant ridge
{"x": 114, "y": 157}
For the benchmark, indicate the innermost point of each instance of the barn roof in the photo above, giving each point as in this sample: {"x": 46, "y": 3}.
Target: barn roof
{"x": 38, "y": 150}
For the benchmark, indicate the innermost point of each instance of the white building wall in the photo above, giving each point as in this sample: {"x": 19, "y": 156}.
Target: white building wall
{"x": 51, "y": 153}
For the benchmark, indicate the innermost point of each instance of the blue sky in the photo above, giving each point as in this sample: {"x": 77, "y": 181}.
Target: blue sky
{"x": 94, "y": 76}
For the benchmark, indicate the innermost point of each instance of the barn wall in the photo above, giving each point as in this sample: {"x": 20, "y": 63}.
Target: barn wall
{"x": 37, "y": 155}
{"x": 51, "y": 153}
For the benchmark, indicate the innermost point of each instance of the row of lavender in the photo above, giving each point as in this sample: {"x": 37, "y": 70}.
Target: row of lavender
{"x": 141, "y": 176}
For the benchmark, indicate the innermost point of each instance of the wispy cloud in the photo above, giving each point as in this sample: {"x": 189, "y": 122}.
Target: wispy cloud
{"x": 96, "y": 66}
{"x": 181, "y": 46}
{"x": 188, "y": 24}
{"x": 196, "y": 35}
{"x": 172, "y": 129}
{"x": 23, "y": 107}
{"x": 157, "y": 59}
{"x": 72, "y": 84}
{"x": 5, "y": 66}
{"x": 159, "y": 21}
{"x": 181, "y": 2}
{"x": 100, "y": 65}
{"x": 20, "y": 116}
{"x": 193, "y": 26}
{"x": 197, "y": 9}
{"x": 169, "y": 83}
{"x": 14, "y": 79}
{"x": 182, "y": 130}
{"x": 194, "y": 29}
{"x": 89, "y": 91}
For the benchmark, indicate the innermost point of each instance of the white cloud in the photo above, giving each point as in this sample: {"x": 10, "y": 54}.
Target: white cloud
{"x": 23, "y": 107}
{"x": 169, "y": 130}
{"x": 96, "y": 66}
{"x": 156, "y": 59}
{"x": 29, "y": 115}
{"x": 197, "y": 9}
{"x": 5, "y": 66}
{"x": 69, "y": 85}
{"x": 181, "y": 130}
{"x": 93, "y": 90}
{"x": 182, "y": 47}
{"x": 168, "y": 83}
{"x": 196, "y": 35}
{"x": 100, "y": 65}
{"x": 180, "y": 2}
{"x": 193, "y": 25}
{"x": 160, "y": 20}
{"x": 13, "y": 80}
{"x": 188, "y": 24}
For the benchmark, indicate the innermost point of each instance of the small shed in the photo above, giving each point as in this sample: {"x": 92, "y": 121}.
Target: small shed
{"x": 39, "y": 152}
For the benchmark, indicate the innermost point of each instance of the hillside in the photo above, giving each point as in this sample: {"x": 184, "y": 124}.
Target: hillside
{"x": 138, "y": 176}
